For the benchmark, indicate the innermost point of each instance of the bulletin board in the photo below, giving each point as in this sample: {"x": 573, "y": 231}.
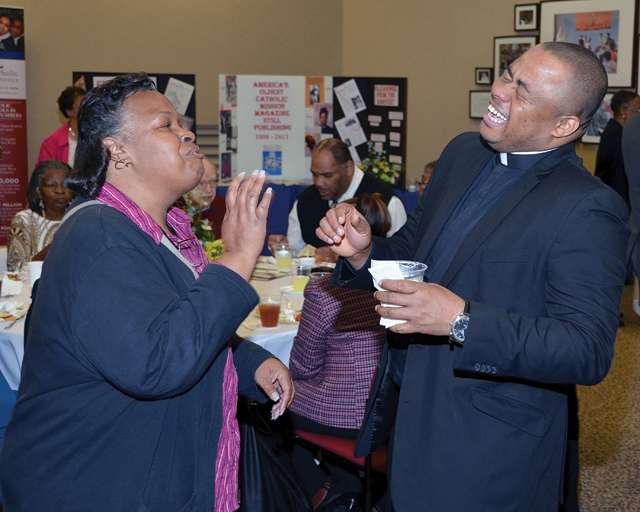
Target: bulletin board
{"x": 371, "y": 113}
{"x": 273, "y": 122}
{"x": 178, "y": 88}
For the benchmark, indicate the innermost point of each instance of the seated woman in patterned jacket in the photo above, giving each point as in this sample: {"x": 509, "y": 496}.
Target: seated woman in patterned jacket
{"x": 332, "y": 363}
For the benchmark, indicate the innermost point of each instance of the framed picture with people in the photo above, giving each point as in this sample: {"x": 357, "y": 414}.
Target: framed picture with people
{"x": 599, "y": 121}
{"x": 607, "y": 29}
{"x": 506, "y": 49}
{"x": 525, "y": 17}
{"x": 484, "y": 76}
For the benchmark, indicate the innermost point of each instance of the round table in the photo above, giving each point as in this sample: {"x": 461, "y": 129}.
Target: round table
{"x": 12, "y": 342}
{"x": 277, "y": 340}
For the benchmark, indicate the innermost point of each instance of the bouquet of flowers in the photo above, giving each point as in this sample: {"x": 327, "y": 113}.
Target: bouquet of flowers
{"x": 194, "y": 206}
{"x": 378, "y": 164}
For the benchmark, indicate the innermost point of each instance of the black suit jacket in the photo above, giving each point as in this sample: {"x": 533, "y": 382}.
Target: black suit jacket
{"x": 631, "y": 152}
{"x": 483, "y": 427}
{"x": 609, "y": 160}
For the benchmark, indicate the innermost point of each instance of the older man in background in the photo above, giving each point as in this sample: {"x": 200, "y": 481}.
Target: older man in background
{"x": 335, "y": 179}
{"x": 610, "y": 166}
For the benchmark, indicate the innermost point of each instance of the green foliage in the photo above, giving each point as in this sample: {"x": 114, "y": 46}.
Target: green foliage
{"x": 377, "y": 163}
{"x": 194, "y": 207}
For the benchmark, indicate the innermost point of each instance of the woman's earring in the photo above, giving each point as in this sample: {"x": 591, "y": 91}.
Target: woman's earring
{"x": 120, "y": 164}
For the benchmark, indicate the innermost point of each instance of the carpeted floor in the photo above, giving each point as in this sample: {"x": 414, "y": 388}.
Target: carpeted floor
{"x": 610, "y": 427}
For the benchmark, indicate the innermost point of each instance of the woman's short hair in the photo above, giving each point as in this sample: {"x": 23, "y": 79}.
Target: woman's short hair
{"x": 374, "y": 209}
{"x": 67, "y": 97}
{"x": 100, "y": 116}
{"x": 33, "y": 196}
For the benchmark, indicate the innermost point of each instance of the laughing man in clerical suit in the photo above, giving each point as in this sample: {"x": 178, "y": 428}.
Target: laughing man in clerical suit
{"x": 526, "y": 256}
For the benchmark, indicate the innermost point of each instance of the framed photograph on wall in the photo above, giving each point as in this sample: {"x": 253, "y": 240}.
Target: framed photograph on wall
{"x": 525, "y": 17}
{"x": 478, "y": 103}
{"x": 605, "y": 27}
{"x": 484, "y": 76}
{"x": 599, "y": 121}
{"x": 507, "y": 49}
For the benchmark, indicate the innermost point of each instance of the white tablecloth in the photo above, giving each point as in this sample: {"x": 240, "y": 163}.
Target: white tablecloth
{"x": 3, "y": 258}
{"x": 277, "y": 340}
{"x": 12, "y": 342}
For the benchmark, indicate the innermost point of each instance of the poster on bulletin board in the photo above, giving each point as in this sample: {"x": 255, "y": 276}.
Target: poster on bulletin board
{"x": 13, "y": 117}
{"x": 262, "y": 125}
{"x": 274, "y": 122}
{"x": 180, "y": 89}
{"x": 371, "y": 117}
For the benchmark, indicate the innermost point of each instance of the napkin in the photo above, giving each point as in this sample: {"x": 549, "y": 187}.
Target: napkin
{"x": 10, "y": 312}
{"x": 381, "y": 270}
{"x": 11, "y": 285}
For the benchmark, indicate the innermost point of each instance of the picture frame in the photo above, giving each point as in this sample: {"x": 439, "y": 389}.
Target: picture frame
{"x": 526, "y": 17}
{"x": 478, "y": 102}
{"x": 506, "y": 49}
{"x": 484, "y": 76}
{"x": 608, "y": 30}
{"x": 599, "y": 121}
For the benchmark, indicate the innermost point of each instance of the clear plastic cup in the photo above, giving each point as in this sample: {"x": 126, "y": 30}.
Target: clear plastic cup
{"x": 291, "y": 302}
{"x": 412, "y": 270}
{"x": 283, "y": 256}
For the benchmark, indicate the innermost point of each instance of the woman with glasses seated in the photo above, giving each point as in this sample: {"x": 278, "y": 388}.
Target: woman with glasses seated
{"x": 32, "y": 229}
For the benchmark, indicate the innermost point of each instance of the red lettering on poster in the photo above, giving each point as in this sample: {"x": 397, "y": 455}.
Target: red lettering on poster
{"x": 13, "y": 162}
{"x": 271, "y": 113}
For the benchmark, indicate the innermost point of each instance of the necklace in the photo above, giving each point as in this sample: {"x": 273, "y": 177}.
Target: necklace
{"x": 72, "y": 133}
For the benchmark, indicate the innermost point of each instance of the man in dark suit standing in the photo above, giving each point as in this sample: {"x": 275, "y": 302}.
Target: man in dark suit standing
{"x": 526, "y": 256}
{"x": 631, "y": 153}
{"x": 609, "y": 161}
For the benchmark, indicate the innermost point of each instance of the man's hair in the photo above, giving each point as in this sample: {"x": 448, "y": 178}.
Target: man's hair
{"x": 101, "y": 116}
{"x": 620, "y": 100}
{"x": 588, "y": 78}
{"x": 323, "y": 110}
{"x": 67, "y": 97}
{"x": 337, "y": 148}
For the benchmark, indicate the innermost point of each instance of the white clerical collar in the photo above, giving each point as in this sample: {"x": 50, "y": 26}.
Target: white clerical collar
{"x": 503, "y": 156}
{"x": 356, "y": 179}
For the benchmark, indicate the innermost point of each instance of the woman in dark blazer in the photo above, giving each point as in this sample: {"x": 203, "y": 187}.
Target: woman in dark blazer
{"x": 129, "y": 384}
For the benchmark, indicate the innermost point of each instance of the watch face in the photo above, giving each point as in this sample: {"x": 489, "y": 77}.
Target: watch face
{"x": 459, "y": 327}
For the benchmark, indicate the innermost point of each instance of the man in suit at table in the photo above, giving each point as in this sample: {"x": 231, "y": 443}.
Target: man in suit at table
{"x": 526, "y": 256}
{"x": 335, "y": 179}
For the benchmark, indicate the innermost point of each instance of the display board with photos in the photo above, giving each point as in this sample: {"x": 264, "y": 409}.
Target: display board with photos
{"x": 371, "y": 117}
{"x": 273, "y": 123}
{"x": 180, "y": 89}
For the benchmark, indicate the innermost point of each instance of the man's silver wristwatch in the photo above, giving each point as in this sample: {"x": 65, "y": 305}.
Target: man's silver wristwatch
{"x": 459, "y": 327}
